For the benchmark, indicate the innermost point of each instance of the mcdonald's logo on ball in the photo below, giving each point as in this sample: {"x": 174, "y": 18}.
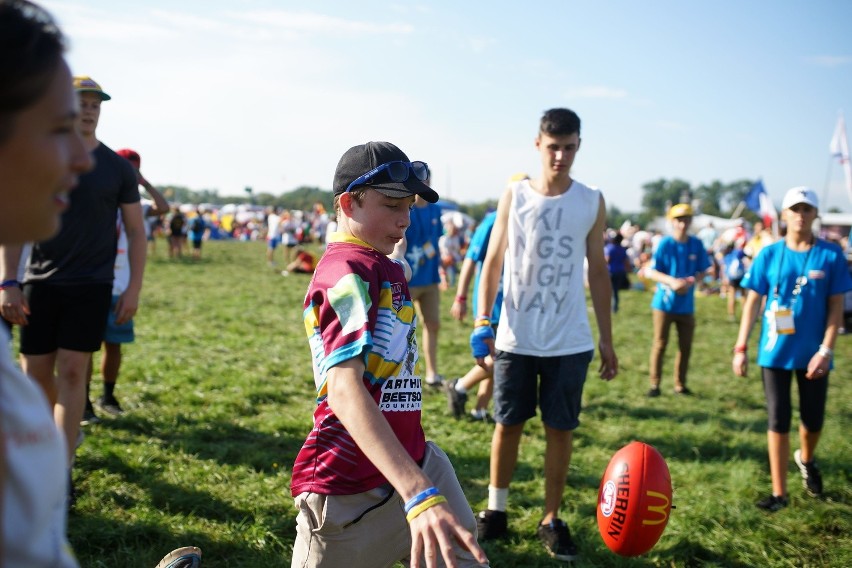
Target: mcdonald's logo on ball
{"x": 634, "y": 499}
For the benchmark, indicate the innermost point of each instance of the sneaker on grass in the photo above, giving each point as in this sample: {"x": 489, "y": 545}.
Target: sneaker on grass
{"x": 491, "y": 524}
{"x": 89, "y": 416}
{"x": 811, "y": 476}
{"x": 185, "y": 557}
{"x": 556, "y": 538}
{"x": 110, "y": 405}
{"x": 480, "y": 415}
{"x": 455, "y": 399}
{"x": 435, "y": 382}
{"x": 772, "y": 503}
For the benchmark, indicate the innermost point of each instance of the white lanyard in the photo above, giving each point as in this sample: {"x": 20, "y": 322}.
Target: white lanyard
{"x": 801, "y": 281}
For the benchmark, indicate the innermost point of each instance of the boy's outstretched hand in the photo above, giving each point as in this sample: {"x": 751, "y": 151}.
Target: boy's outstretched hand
{"x": 432, "y": 534}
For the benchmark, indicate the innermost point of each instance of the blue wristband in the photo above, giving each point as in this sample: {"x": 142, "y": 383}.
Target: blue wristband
{"x": 420, "y": 497}
{"x": 477, "y": 340}
{"x": 9, "y": 284}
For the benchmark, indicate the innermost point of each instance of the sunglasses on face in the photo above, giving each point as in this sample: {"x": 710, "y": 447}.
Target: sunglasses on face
{"x": 397, "y": 171}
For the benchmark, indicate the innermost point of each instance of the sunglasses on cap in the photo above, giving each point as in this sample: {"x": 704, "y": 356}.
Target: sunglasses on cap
{"x": 398, "y": 171}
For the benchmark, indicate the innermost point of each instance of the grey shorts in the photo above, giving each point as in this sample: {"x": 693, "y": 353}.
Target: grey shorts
{"x": 369, "y": 530}
{"x": 555, "y": 384}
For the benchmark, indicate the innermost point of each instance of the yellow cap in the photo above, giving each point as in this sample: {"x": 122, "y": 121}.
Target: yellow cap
{"x": 85, "y": 84}
{"x": 680, "y": 210}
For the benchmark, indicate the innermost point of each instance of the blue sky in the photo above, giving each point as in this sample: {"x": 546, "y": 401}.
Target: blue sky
{"x": 268, "y": 94}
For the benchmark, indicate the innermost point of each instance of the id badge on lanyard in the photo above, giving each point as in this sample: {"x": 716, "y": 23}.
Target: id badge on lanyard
{"x": 782, "y": 316}
{"x": 783, "y": 320}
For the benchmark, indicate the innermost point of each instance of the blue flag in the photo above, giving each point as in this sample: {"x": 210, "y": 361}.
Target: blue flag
{"x": 752, "y": 198}
{"x": 758, "y": 201}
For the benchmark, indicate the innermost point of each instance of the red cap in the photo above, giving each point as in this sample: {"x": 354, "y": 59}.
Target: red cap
{"x": 130, "y": 155}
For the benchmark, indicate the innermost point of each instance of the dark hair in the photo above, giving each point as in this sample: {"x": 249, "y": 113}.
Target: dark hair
{"x": 31, "y": 47}
{"x": 560, "y": 122}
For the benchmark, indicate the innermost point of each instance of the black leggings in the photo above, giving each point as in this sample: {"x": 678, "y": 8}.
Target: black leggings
{"x": 812, "y": 396}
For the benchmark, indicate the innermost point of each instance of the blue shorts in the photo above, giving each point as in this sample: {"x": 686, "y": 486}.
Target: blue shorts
{"x": 273, "y": 242}
{"x": 118, "y": 333}
{"x": 559, "y": 392}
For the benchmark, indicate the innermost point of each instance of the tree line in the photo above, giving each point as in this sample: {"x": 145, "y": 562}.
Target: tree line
{"x": 716, "y": 198}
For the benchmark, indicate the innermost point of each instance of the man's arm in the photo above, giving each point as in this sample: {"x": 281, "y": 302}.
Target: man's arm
{"x": 492, "y": 266}
{"x": 398, "y": 255}
{"x": 459, "y": 308}
{"x": 128, "y": 303}
{"x": 600, "y": 288}
{"x": 161, "y": 206}
{"x": 13, "y": 305}
{"x": 436, "y": 527}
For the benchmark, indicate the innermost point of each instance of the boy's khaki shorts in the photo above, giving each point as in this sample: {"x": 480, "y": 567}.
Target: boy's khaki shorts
{"x": 369, "y": 530}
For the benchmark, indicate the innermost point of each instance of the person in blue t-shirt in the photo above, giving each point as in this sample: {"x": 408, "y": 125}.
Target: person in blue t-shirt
{"x": 734, "y": 262}
{"x": 618, "y": 265}
{"x": 422, "y": 254}
{"x": 803, "y": 279}
{"x": 676, "y": 263}
{"x": 197, "y": 226}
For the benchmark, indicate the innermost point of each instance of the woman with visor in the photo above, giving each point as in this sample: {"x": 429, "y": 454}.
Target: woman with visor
{"x": 803, "y": 279}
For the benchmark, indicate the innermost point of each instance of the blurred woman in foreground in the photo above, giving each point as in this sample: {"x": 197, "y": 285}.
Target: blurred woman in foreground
{"x": 41, "y": 156}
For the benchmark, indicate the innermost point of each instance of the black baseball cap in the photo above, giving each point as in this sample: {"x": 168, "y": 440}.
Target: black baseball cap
{"x": 358, "y": 160}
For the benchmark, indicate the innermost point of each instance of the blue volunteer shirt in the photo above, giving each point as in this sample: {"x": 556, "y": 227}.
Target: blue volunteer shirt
{"x": 680, "y": 260}
{"x": 827, "y": 274}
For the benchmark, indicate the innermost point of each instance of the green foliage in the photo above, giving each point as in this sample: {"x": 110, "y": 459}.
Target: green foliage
{"x": 661, "y": 194}
{"x": 302, "y": 198}
{"x": 716, "y": 198}
{"x": 218, "y": 390}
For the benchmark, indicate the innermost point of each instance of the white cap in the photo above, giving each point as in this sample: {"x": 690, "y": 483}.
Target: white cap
{"x": 801, "y": 194}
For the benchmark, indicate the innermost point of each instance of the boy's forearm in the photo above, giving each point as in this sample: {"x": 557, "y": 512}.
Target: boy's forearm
{"x": 465, "y": 276}
{"x": 359, "y": 414}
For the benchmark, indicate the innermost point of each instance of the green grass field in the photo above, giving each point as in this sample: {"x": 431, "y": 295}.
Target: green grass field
{"x": 219, "y": 395}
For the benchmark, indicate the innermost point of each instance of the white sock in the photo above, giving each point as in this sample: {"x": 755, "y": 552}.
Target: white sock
{"x": 498, "y": 498}
{"x": 460, "y": 388}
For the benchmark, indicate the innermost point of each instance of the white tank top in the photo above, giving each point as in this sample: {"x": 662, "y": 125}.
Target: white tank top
{"x": 544, "y": 305}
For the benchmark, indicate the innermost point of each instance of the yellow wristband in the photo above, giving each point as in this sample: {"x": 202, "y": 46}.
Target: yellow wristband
{"x": 482, "y": 322}
{"x": 430, "y": 502}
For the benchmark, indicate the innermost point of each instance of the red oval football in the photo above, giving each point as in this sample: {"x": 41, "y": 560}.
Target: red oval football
{"x": 634, "y": 499}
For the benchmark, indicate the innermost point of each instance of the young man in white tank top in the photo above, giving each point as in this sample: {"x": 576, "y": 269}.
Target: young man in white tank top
{"x": 544, "y": 230}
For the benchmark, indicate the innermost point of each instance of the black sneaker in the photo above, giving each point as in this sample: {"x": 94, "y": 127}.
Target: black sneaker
{"x": 491, "y": 524}
{"x": 556, "y": 538}
{"x": 110, "y": 405}
{"x": 186, "y": 557}
{"x": 772, "y": 503}
{"x": 89, "y": 416}
{"x": 684, "y": 391}
{"x": 654, "y": 392}
{"x": 455, "y": 399}
{"x": 811, "y": 476}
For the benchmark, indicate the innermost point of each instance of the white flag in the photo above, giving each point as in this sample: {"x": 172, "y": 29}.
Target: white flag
{"x": 839, "y": 149}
